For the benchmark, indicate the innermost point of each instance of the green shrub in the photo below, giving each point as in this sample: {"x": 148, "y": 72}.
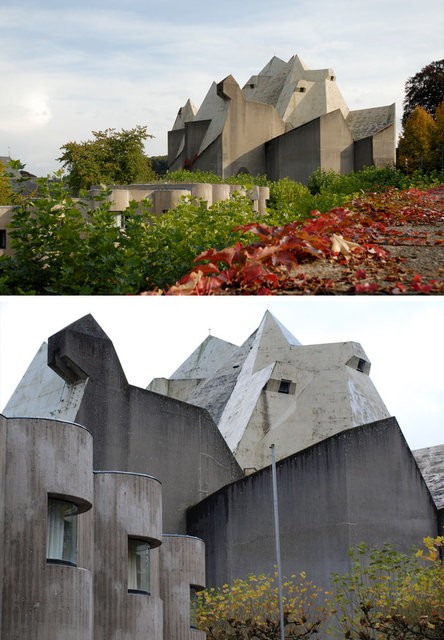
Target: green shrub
{"x": 180, "y": 235}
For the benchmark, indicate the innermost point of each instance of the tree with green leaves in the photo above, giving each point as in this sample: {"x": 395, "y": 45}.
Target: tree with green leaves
{"x": 112, "y": 157}
{"x": 5, "y": 186}
{"x": 389, "y": 595}
{"x": 250, "y": 609}
{"x": 66, "y": 246}
{"x": 418, "y": 142}
{"x": 425, "y": 89}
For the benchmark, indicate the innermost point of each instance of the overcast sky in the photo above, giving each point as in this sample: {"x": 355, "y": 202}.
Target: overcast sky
{"x": 70, "y": 68}
{"x": 402, "y": 337}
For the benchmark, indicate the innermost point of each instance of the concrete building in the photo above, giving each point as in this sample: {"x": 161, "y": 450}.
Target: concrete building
{"x": 287, "y": 120}
{"x": 273, "y": 390}
{"x": 169, "y": 475}
{"x": 81, "y": 556}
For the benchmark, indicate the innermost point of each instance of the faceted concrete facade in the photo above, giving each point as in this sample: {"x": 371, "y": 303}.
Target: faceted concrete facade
{"x": 178, "y": 475}
{"x": 360, "y": 485}
{"x": 286, "y": 121}
{"x": 273, "y": 390}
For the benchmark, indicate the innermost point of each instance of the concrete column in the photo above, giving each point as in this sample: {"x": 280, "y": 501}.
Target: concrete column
{"x": 164, "y": 200}
{"x": 264, "y": 195}
{"x": 236, "y": 188}
{"x": 126, "y": 505}
{"x": 120, "y": 199}
{"x": 220, "y": 192}
{"x": 203, "y": 191}
{"x": 182, "y": 562}
{"x": 43, "y": 601}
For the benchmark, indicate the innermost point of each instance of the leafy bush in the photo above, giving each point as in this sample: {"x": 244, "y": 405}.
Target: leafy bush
{"x": 65, "y": 246}
{"x": 174, "y": 239}
{"x": 250, "y": 609}
{"x": 391, "y": 595}
{"x": 244, "y": 179}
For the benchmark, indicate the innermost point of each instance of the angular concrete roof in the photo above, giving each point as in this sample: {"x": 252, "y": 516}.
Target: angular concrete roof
{"x": 206, "y": 359}
{"x": 41, "y": 393}
{"x": 298, "y": 94}
{"x": 430, "y": 461}
{"x": 366, "y": 122}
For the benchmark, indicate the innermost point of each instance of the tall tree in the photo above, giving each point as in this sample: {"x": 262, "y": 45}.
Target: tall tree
{"x": 425, "y": 89}
{"x": 417, "y": 149}
{"x": 112, "y": 157}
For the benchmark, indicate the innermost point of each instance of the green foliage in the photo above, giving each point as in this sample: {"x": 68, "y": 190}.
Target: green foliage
{"x": 387, "y": 595}
{"x": 177, "y": 237}
{"x": 425, "y": 89}
{"x": 290, "y": 201}
{"x": 63, "y": 246}
{"x": 243, "y": 179}
{"x": 391, "y": 595}
{"x": 418, "y": 144}
{"x": 324, "y": 181}
{"x": 6, "y": 192}
{"x": 159, "y": 165}
{"x": 250, "y": 609}
{"x": 112, "y": 157}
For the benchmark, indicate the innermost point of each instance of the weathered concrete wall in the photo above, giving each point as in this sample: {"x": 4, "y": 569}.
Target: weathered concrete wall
{"x": 44, "y": 601}
{"x": 126, "y": 504}
{"x": 384, "y": 147}
{"x": 359, "y": 485}
{"x": 363, "y": 150}
{"x": 295, "y": 154}
{"x": 247, "y": 127}
{"x": 141, "y": 431}
{"x": 182, "y": 562}
{"x": 336, "y": 141}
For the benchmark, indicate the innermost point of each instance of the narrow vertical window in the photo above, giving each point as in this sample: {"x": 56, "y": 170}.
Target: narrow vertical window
{"x": 61, "y": 538}
{"x": 138, "y": 566}
{"x": 193, "y": 607}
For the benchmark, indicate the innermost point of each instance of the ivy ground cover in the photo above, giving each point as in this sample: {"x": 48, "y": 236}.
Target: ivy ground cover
{"x": 386, "y": 243}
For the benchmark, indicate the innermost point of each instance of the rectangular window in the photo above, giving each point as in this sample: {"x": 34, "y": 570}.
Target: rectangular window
{"x": 138, "y": 566}
{"x": 61, "y": 538}
{"x": 284, "y": 386}
{"x": 2, "y": 238}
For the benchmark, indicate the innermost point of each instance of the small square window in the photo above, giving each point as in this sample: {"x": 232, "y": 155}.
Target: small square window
{"x": 284, "y": 386}
{"x": 361, "y": 365}
{"x": 138, "y": 566}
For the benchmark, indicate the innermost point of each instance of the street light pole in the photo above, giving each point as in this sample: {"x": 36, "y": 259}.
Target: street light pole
{"x": 277, "y": 541}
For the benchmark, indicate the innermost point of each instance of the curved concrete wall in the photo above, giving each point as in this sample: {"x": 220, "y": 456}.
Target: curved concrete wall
{"x": 44, "y": 601}
{"x": 126, "y": 504}
{"x": 182, "y": 561}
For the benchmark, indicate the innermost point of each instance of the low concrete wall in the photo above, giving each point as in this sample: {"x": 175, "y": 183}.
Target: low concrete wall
{"x": 359, "y": 485}
{"x": 166, "y": 196}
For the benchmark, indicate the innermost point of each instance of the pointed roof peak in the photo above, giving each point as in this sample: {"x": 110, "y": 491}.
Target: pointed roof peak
{"x": 88, "y": 325}
{"x": 270, "y": 323}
